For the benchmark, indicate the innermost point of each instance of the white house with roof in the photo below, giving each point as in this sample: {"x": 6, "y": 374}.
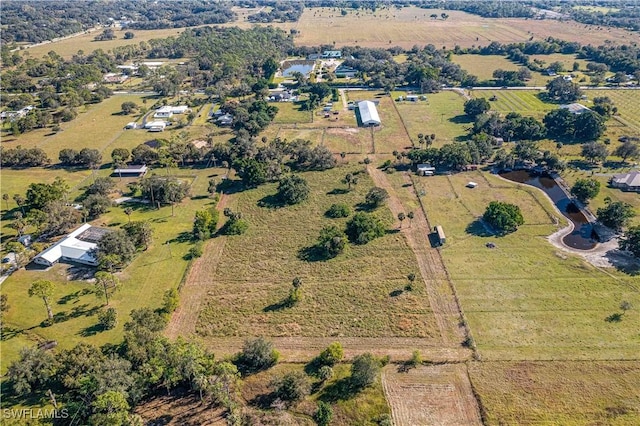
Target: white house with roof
{"x": 155, "y": 126}
{"x": 77, "y": 247}
{"x": 575, "y": 108}
{"x": 627, "y": 182}
{"x": 368, "y": 113}
{"x": 163, "y": 112}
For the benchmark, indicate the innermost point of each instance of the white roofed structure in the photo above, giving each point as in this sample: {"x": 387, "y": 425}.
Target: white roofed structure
{"x": 368, "y": 113}
{"x": 76, "y": 247}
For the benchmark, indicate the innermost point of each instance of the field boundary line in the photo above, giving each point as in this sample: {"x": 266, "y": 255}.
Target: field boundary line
{"x": 404, "y": 125}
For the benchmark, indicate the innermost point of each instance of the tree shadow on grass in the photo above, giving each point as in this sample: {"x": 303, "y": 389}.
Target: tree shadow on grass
{"x": 365, "y": 207}
{"x": 92, "y": 330}
{"x": 271, "y": 202}
{"x": 340, "y": 390}
{"x": 263, "y": 401}
{"x": 338, "y": 191}
{"x": 581, "y": 165}
{"x": 183, "y": 237}
{"x": 624, "y": 262}
{"x": 75, "y": 296}
{"x": 77, "y": 311}
{"x": 397, "y": 292}
{"x": 278, "y": 306}
{"x": 461, "y": 119}
{"x": 476, "y": 228}
{"x": 312, "y": 254}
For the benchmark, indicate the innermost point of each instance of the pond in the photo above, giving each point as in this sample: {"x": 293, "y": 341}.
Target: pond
{"x": 582, "y": 236}
{"x": 304, "y": 67}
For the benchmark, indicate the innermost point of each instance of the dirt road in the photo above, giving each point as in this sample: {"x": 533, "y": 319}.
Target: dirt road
{"x": 197, "y": 285}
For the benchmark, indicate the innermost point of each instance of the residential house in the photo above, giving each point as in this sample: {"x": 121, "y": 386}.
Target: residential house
{"x": 77, "y": 247}
{"x": 164, "y": 112}
{"x": 332, "y": 54}
{"x": 344, "y": 71}
{"x": 627, "y": 182}
{"x": 575, "y": 108}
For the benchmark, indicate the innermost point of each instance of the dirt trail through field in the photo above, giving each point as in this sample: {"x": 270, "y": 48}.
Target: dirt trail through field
{"x": 441, "y": 299}
{"x": 197, "y": 285}
{"x": 437, "y": 394}
{"x": 431, "y": 395}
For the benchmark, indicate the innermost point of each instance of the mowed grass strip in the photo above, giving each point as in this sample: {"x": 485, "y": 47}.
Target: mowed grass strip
{"x": 524, "y": 298}
{"x": 524, "y": 102}
{"x": 350, "y": 295}
{"x": 576, "y": 393}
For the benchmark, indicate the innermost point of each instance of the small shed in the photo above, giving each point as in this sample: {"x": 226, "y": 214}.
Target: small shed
{"x": 413, "y": 98}
{"x": 131, "y": 171}
{"x": 425, "y": 170}
{"x": 471, "y": 184}
{"x": 440, "y": 234}
{"x": 25, "y": 240}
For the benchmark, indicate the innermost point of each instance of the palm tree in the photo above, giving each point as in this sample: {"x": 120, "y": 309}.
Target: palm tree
{"x": 44, "y": 289}
{"x": 348, "y": 179}
{"x": 128, "y": 212}
{"x": 104, "y": 283}
{"x": 19, "y": 199}
{"x": 401, "y": 217}
{"x": 411, "y": 277}
{"x": 410, "y": 216}
{"x": 342, "y": 155}
{"x": 5, "y": 197}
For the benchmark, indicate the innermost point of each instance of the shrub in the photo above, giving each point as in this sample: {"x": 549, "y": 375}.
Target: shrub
{"x": 195, "y": 251}
{"x": 235, "y": 227}
{"x": 291, "y": 387}
{"x": 364, "y": 227}
{"x": 331, "y": 241}
{"x": 293, "y": 190}
{"x": 332, "y": 354}
{"x": 170, "y": 301}
{"x": 108, "y": 318}
{"x": 364, "y": 370}
{"x": 257, "y": 354}
{"x": 376, "y": 196}
{"x": 325, "y": 373}
{"x": 323, "y": 414}
{"x": 339, "y": 210}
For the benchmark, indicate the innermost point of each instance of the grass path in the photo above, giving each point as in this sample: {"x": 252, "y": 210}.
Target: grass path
{"x": 184, "y": 319}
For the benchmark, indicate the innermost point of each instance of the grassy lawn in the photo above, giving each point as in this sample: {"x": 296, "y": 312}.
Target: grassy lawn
{"x": 524, "y": 299}
{"x": 96, "y": 126}
{"x": 525, "y": 102}
{"x": 364, "y": 408}
{"x": 349, "y": 295}
{"x": 69, "y": 47}
{"x": 291, "y": 112}
{"x": 143, "y": 282}
{"x": 627, "y": 103}
{"x": 352, "y": 141}
{"x": 442, "y": 114}
{"x": 482, "y": 66}
{"x": 569, "y": 393}
{"x": 290, "y": 134}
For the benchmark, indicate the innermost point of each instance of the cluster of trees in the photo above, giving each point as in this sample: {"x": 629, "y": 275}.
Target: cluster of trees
{"x": 164, "y": 190}
{"x": 504, "y": 217}
{"x": 256, "y": 164}
{"x": 279, "y": 12}
{"x": 562, "y": 124}
{"x": 44, "y": 21}
{"x": 23, "y": 157}
{"x": 86, "y": 157}
{"x": 101, "y": 386}
{"x": 618, "y": 16}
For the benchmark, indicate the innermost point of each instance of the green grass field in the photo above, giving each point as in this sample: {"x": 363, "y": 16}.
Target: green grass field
{"x": 525, "y": 299}
{"x": 442, "y": 114}
{"x": 345, "y": 296}
{"x": 290, "y": 112}
{"x": 525, "y": 102}
{"x": 143, "y": 282}
{"x": 568, "y": 393}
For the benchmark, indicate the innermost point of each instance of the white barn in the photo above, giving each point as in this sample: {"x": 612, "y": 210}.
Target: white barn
{"x": 368, "y": 113}
{"x": 76, "y": 247}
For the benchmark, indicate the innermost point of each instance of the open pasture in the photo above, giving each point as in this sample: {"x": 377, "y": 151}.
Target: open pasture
{"x": 524, "y": 102}
{"x": 409, "y": 26}
{"x": 291, "y": 112}
{"x": 525, "y": 299}
{"x": 576, "y": 393}
{"x": 352, "y": 140}
{"x": 627, "y": 103}
{"x": 357, "y": 294}
{"x": 314, "y": 135}
{"x": 85, "y": 42}
{"x": 441, "y": 114}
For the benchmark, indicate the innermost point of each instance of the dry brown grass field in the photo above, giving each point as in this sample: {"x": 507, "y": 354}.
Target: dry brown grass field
{"x": 409, "y": 26}
{"x": 559, "y": 392}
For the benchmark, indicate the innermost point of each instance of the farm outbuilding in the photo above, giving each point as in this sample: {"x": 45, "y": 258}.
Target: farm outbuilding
{"x": 425, "y": 170}
{"x": 368, "y": 113}
{"x": 131, "y": 171}
{"x": 440, "y": 234}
